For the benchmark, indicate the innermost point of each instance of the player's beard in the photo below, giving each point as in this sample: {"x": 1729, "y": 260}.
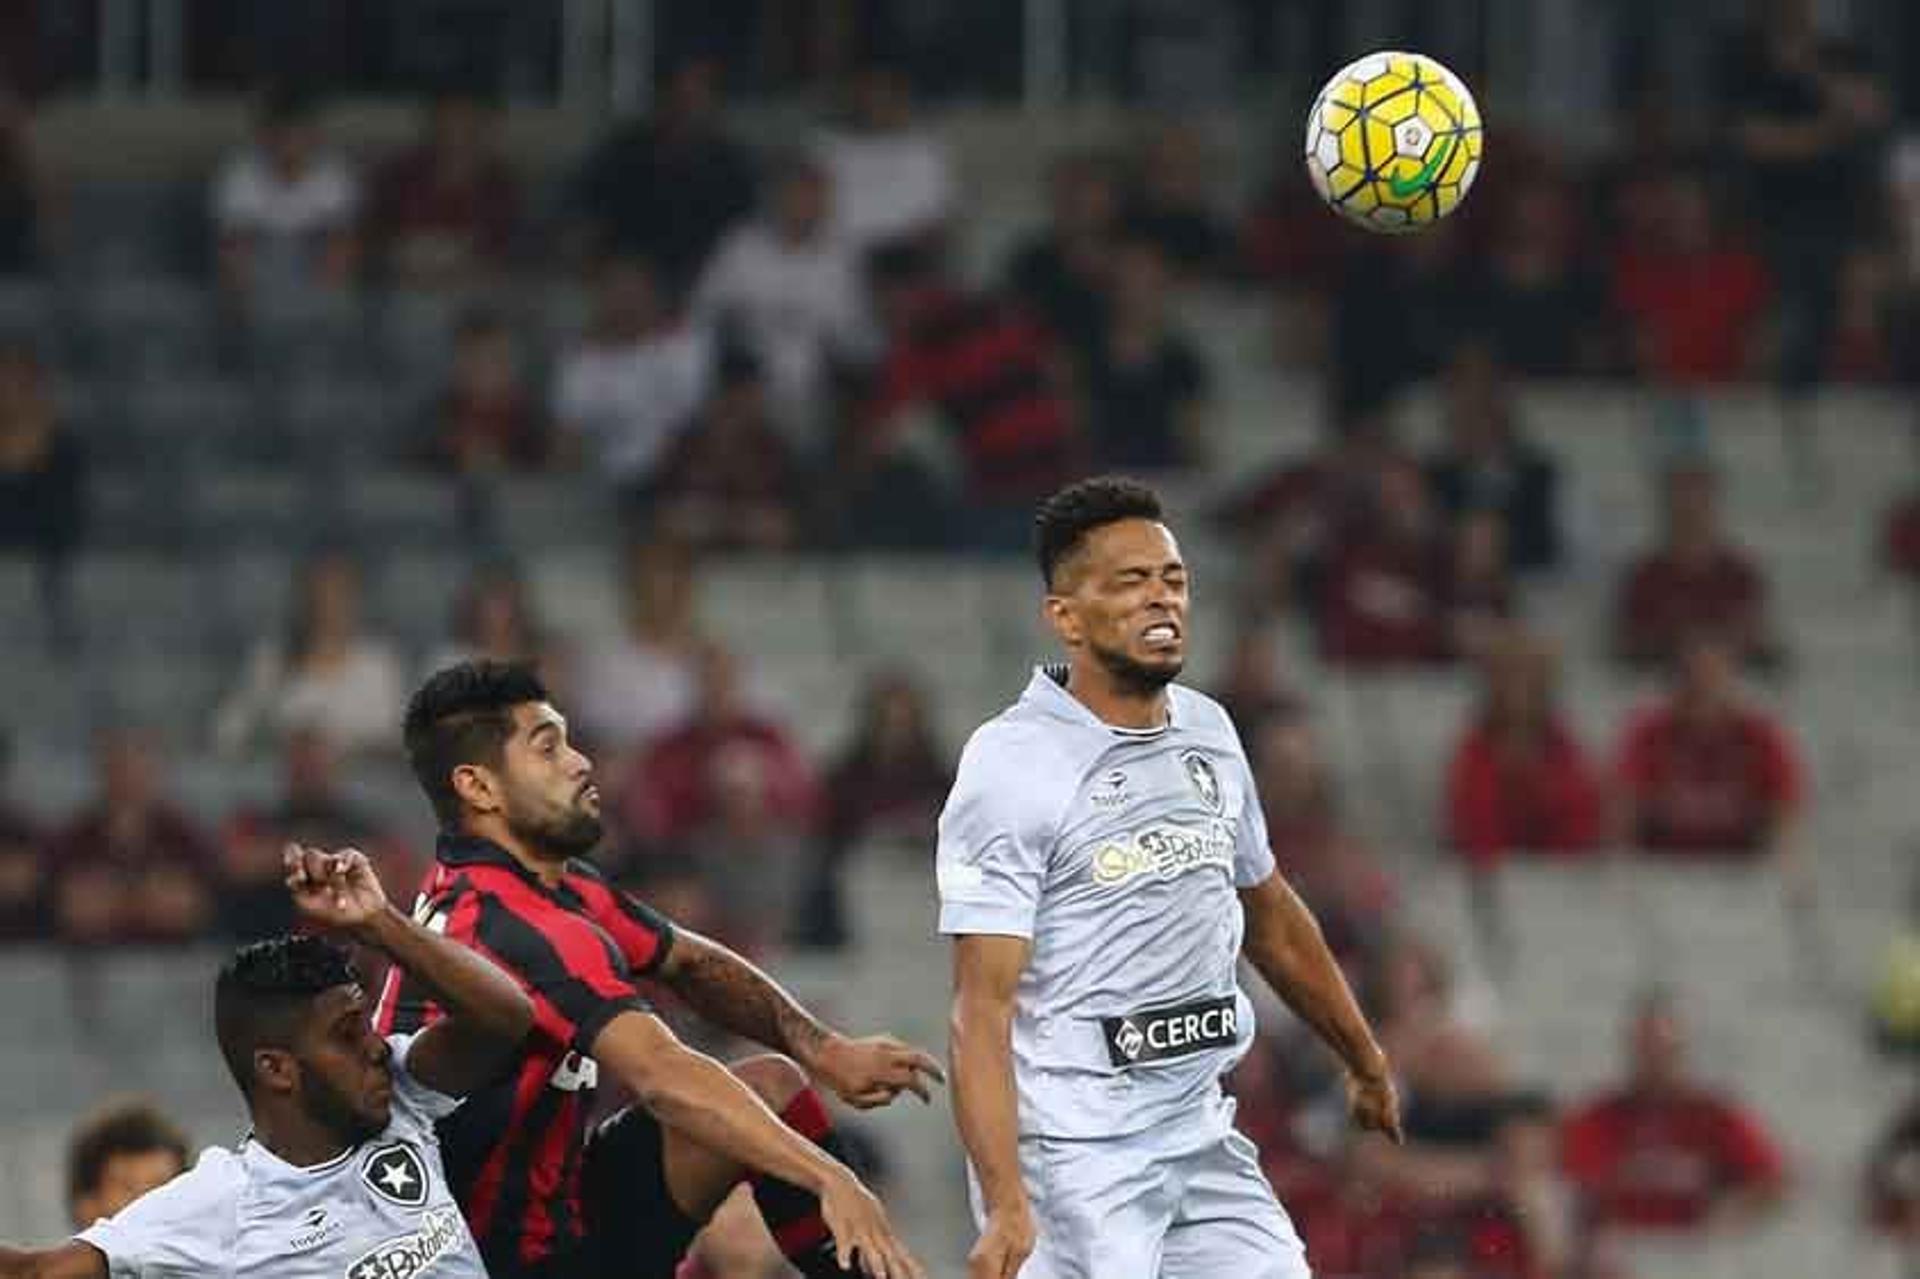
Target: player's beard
{"x": 334, "y": 1111}
{"x": 571, "y": 832}
{"x": 1132, "y": 676}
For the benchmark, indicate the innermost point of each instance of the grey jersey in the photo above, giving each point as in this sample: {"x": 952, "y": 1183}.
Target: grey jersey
{"x": 1118, "y": 854}
{"x": 381, "y": 1210}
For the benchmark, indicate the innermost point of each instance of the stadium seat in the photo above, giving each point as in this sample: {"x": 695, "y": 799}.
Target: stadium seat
{"x": 141, "y": 606}
{"x": 389, "y": 508}
{"x": 338, "y": 424}
{"x": 769, "y": 605}
{"x": 411, "y": 594}
{"x": 149, "y": 328}
{"x": 183, "y": 421}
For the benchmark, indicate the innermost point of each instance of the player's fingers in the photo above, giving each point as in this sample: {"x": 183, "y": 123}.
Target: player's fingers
{"x": 927, "y": 1064}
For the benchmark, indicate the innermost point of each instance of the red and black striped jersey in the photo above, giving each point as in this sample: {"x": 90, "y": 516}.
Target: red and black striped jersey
{"x": 513, "y": 1150}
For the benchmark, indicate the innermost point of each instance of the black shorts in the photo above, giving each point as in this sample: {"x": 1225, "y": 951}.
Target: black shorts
{"x": 634, "y": 1230}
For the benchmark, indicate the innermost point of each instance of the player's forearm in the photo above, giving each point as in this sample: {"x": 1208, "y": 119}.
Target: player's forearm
{"x": 1285, "y": 944}
{"x": 468, "y": 986}
{"x": 695, "y": 1094}
{"x": 732, "y": 993}
{"x": 985, "y": 1100}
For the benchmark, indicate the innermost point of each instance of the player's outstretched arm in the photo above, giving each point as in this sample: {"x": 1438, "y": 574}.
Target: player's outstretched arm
{"x": 74, "y": 1260}
{"x": 986, "y": 978}
{"x": 1284, "y": 942}
{"x": 733, "y": 994}
{"x": 692, "y": 1092}
{"x": 487, "y": 1013}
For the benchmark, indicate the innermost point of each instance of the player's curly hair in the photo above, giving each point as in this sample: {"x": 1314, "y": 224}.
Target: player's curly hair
{"x": 263, "y": 991}
{"x": 464, "y": 715}
{"x": 1064, "y": 520}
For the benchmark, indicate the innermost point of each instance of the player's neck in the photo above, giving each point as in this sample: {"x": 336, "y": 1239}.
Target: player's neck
{"x": 297, "y": 1139}
{"x": 538, "y": 863}
{"x": 1115, "y": 704}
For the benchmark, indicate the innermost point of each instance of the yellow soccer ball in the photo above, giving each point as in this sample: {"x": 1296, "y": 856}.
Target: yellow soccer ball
{"x": 1393, "y": 142}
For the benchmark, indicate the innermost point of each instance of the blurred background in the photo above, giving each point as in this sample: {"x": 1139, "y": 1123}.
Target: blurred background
{"x": 1556, "y": 563}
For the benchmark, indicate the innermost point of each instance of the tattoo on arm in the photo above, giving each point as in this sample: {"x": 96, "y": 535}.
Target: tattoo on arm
{"x": 734, "y": 995}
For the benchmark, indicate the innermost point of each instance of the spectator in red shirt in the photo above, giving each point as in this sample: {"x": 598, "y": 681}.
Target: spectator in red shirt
{"x": 131, "y": 868}
{"x": 1891, "y": 1187}
{"x": 1695, "y": 301}
{"x": 668, "y": 795}
{"x": 1697, "y": 580}
{"x": 1520, "y": 780}
{"x": 1706, "y": 772}
{"x": 730, "y": 481}
{"x": 1664, "y": 1153}
{"x": 995, "y": 380}
{"x": 443, "y": 213}
{"x": 487, "y": 420}
{"x": 1383, "y": 598}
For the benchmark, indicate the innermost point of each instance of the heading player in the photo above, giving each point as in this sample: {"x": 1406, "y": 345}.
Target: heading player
{"x": 1103, "y": 865}
{"x": 518, "y": 808}
{"x": 341, "y": 1175}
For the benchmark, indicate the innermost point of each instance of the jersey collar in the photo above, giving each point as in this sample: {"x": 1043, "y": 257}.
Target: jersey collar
{"x": 1048, "y": 689}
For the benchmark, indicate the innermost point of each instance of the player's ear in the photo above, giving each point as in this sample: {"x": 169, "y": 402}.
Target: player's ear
{"x": 477, "y": 788}
{"x": 1060, "y": 615}
{"x": 275, "y": 1070}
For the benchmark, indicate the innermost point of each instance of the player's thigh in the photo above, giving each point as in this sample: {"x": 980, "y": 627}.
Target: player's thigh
{"x": 1229, "y": 1222}
{"x": 634, "y": 1228}
{"x": 1102, "y": 1208}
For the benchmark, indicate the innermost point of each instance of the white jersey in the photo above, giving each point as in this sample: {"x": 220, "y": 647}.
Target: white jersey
{"x": 381, "y": 1210}
{"x": 1118, "y": 854}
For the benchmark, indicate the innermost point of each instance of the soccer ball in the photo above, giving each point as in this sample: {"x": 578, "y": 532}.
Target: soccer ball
{"x": 1393, "y": 142}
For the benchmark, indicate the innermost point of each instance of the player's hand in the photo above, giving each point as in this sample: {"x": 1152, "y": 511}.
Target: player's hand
{"x": 1374, "y": 1104}
{"x": 1005, "y": 1245}
{"x": 863, "y": 1238}
{"x": 333, "y": 890}
{"x": 874, "y": 1071}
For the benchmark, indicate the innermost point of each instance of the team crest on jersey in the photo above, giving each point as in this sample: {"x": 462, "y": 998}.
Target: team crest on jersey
{"x": 1205, "y": 781}
{"x": 397, "y": 1173}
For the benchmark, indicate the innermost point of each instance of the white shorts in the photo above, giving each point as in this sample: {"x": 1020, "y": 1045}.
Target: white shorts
{"x": 1182, "y": 1200}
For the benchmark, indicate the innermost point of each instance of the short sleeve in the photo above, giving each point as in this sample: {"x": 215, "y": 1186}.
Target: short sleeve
{"x": 992, "y": 856}
{"x": 643, "y": 934}
{"x": 428, "y": 1105}
{"x": 183, "y": 1228}
{"x": 577, "y": 978}
{"x": 1253, "y": 847}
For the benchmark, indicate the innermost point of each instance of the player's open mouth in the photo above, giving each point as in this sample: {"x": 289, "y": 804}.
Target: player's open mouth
{"x": 1161, "y": 635}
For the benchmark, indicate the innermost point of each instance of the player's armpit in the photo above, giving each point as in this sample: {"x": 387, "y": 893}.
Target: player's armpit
{"x": 73, "y": 1260}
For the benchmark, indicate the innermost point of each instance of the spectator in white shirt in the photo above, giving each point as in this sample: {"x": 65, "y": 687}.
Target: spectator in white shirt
{"x": 325, "y": 674}
{"x": 792, "y": 291}
{"x": 892, "y": 181}
{"x": 285, "y": 210}
{"x": 639, "y": 683}
{"x": 635, "y": 380}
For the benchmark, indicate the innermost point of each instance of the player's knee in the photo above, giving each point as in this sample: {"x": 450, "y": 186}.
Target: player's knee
{"x": 777, "y": 1080}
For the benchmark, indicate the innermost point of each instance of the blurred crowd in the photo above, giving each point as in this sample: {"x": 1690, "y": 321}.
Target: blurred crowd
{"x": 782, "y": 356}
